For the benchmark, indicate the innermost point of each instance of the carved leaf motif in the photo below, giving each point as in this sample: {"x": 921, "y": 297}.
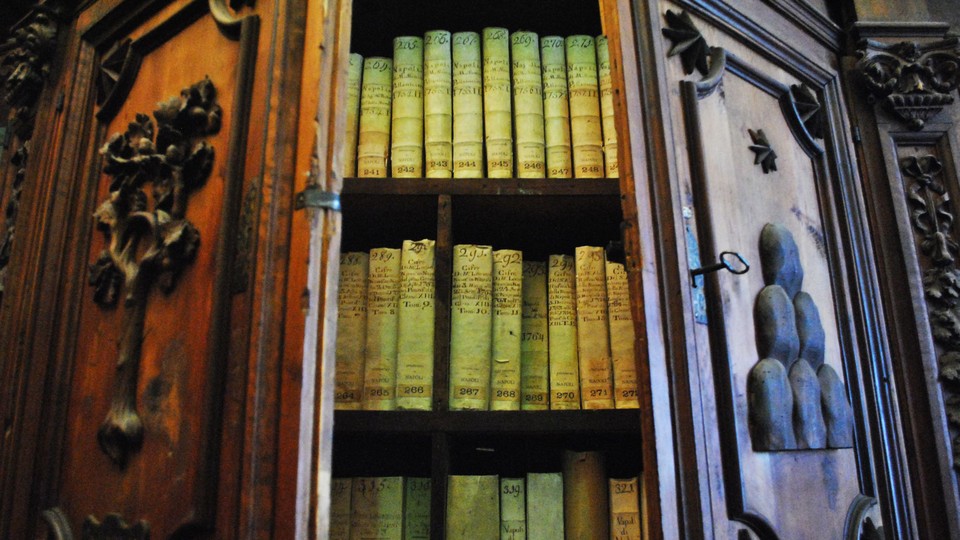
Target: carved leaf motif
{"x": 106, "y": 280}
{"x": 942, "y": 285}
{"x": 808, "y": 105}
{"x": 687, "y": 41}
{"x": 765, "y": 155}
{"x": 952, "y": 405}
{"x": 945, "y": 326}
{"x": 950, "y": 367}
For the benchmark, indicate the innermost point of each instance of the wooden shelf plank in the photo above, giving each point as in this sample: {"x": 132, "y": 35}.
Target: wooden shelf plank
{"x": 481, "y": 186}
{"x": 482, "y": 422}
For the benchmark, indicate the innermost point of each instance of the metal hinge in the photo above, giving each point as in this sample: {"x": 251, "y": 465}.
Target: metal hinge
{"x": 315, "y": 197}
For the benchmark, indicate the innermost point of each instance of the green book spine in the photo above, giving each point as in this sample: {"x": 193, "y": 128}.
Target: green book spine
{"x": 584, "y": 107}
{"x": 534, "y": 366}
{"x": 593, "y": 330}
{"x": 527, "y": 104}
{"x": 376, "y": 96}
{"x": 354, "y": 77}
{"x": 415, "y": 326}
{"x": 473, "y": 508}
{"x": 625, "y": 509}
{"x": 416, "y": 509}
{"x": 507, "y": 323}
{"x": 497, "y": 117}
{"x": 513, "y": 518}
{"x": 351, "y": 330}
{"x": 562, "y": 333}
{"x": 622, "y": 338}
{"x": 340, "y": 491}
{"x": 406, "y": 146}
{"x": 607, "y": 119}
{"x": 471, "y": 327}
{"x": 383, "y": 297}
{"x": 467, "y": 106}
{"x": 438, "y": 103}
{"x": 544, "y": 506}
{"x": 377, "y": 508}
{"x": 556, "y": 108}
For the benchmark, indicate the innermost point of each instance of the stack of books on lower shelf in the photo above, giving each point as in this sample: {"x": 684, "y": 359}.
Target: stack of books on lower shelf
{"x": 524, "y": 335}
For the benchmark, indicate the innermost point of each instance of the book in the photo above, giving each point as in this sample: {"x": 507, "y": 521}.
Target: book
{"x": 513, "y": 519}
{"x": 593, "y": 330}
{"x": 376, "y": 508}
{"x": 556, "y": 108}
{"x": 376, "y": 97}
{"x": 562, "y": 333}
{"x": 473, "y": 508}
{"x": 497, "y": 118}
{"x": 625, "y": 509}
{"x": 406, "y": 142}
{"x": 544, "y": 506}
{"x": 383, "y": 297}
{"x": 354, "y": 77}
{"x": 416, "y": 509}
{"x": 534, "y": 365}
{"x": 340, "y": 491}
{"x": 471, "y": 319}
{"x": 438, "y": 103}
{"x": 586, "y": 511}
{"x": 527, "y": 104}
{"x": 351, "y": 330}
{"x": 415, "y": 326}
{"x": 507, "y": 323}
{"x": 622, "y": 338}
{"x": 585, "y": 131}
{"x": 467, "y": 106}
{"x": 608, "y": 121}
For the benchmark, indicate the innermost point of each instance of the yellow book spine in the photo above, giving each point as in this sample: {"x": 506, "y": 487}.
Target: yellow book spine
{"x": 513, "y": 512}
{"x": 415, "y": 326}
{"x": 556, "y": 108}
{"x": 383, "y": 296}
{"x": 586, "y": 505}
{"x": 507, "y": 323}
{"x": 438, "y": 103}
{"x": 354, "y": 77}
{"x": 377, "y": 508}
{"x": 584, "y": 107}
{"x": 473, "y": 507}
{"x": 376, "y": 96}
{"x": 416, "y": 509}
{"x": 562, "y": 333}
{"x": 340, "y": 491}
{"x": 527, "y": 104}
{"x": 467, "y": 106}
{"x": 622, "y": 338}
{"x": 351, "y": 330}
{"x": 497, "y": 116}
{"x": 607, "y": 119}
{"x": 534, "y": 366}
{"x": 406, "y": 145}
{"x": 593, "y": 331}
{"x": 625, "y": 509}
{"x": 471, "y": 327}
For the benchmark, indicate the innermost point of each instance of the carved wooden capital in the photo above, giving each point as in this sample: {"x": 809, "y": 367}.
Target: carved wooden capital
{"x": 911, "y": 80}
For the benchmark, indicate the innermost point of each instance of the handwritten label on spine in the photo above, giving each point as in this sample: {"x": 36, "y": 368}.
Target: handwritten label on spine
{"x": 415, "y": 326}
{"x": 383, "y": 297}
{"x": 607, "y": 119}
{"x": 471, "y": 318}
{"x": 584, "y": 107}
{"x": 467, "y": 106}
{"x": 625, "y": 509}
{"x": 374, "y": 132}
{"x": 556, "y": 108}
{"x": 377, "y": 508}
{"x": 340, "y": 491}
{"x": 593, "y": 331}
{"x": 354, "y": 76}
{"x": 497, "y": 118}
{"x": 622, "y": 338}
{"x": 507, "y": 323}
{"x": 534, "y": 366}
{"x": 438, "y": 103}
{"x": 562, "y": 335}
{"x": 351, "y": 328}
{"x": 406, "y": 149}
{"x": 513, "y": 514}
{"x": 527, "y": 104}
{"x": 416, "y": 512}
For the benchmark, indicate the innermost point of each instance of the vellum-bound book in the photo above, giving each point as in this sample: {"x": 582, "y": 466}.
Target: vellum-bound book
{"x": 416, "y": 509}
{"x": 376, "y": 96}
{"x": 586, "y": 511}
{"x": 467, "y": 106}
{"x": 584, "y": 107}
{"x": 625, "y": 509}
{"x": 473, "y": 508}
{"x": 513, "y": 519}
{"x": 497, "y": 118}
{"x": 556, "y": 108}
{"x": 383, "y": 297}
{"x": 607, "y": 119}
{"x": 354, "y": 76}
{"x": 507, "y": 323}
{"x": 527, "y": 104}
{"x": 593, "y": 330}
{"x": 377, "y": 508}
{"x": 415, "y": 326}
{"x": 438, "y": 103}
{"x": 340, "y": 491}
{"x": 544, "y": 506}
{"x": 470, "y": 327}
{"x": 534, "y": 366}
{"x": 351, "y": 330}
{"x": 622, "y": 338}
{"x": 406, "y": 143}
{"x": 562, "y": 333}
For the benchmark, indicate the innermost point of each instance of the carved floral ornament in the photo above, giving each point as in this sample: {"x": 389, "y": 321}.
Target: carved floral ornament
{"x": 913, "y": 81}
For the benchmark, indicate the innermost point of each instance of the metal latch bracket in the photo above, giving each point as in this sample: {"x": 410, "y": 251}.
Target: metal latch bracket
{"x": 314, "y": 197}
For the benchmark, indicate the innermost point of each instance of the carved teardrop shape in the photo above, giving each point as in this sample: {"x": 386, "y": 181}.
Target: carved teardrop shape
{"x": 776, "y": 327}
{"x": 780, "y": 258}
{"x": 808, "y": 425}
{"x": 836, "y": 410}
{"x": 770, "y": 402}
{"x": 809, "y": 330}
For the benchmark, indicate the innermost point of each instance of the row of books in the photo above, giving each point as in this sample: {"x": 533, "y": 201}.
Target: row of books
{"x": 524, "y": 335}
{"x": 492, "y": 104}
{"x": 579, "y": 502}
